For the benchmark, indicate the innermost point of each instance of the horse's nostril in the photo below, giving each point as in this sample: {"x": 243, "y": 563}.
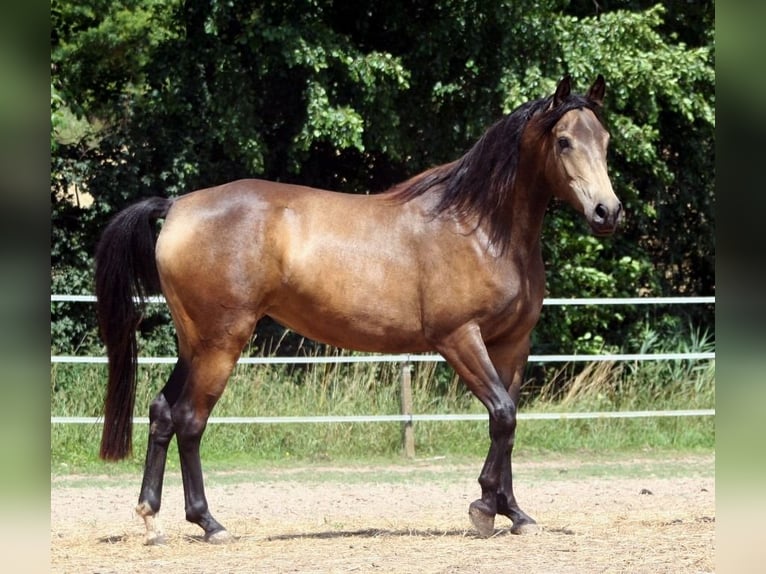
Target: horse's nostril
{"x": 601, "y": 211}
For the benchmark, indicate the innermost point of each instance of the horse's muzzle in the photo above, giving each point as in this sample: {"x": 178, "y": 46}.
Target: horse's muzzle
{"x": 604, "y": 220}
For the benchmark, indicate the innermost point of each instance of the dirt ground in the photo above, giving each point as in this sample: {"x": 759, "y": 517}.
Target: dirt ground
{"x": 409, "y": 518}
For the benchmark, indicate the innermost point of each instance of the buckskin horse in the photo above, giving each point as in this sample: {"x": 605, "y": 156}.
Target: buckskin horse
{"x": 447, "y": 261}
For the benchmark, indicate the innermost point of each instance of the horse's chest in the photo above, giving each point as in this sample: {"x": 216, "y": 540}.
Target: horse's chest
{"x": 515, "y": 305}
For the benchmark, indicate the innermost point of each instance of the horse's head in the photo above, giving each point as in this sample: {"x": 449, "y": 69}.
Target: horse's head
{"x": 578, "y": 153}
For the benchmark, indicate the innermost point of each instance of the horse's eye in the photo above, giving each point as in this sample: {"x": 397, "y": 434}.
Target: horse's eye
{"x": 564, "y": 143}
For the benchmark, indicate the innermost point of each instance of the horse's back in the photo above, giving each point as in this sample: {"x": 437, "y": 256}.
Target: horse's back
{"x": 291, "y": 226}
{"x": 335, "y": 267}
{"x": 363, "y": 272}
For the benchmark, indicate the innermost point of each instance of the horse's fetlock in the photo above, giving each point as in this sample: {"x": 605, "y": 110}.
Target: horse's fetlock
{"x": 146, "y": 508}
{"x": 196, "y": 510}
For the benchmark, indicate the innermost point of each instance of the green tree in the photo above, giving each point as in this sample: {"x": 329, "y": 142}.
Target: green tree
{"x": 154, "y": 97}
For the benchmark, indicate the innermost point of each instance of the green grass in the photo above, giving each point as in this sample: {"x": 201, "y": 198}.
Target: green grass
{"x": 277, "y": 390}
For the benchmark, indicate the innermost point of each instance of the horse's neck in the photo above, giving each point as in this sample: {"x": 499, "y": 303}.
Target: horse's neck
{"x": 526, "y": 208}
{"x": 528, "y": 200}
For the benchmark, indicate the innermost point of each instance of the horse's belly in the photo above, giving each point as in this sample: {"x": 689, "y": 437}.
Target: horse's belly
{"x": 381, "y": 328}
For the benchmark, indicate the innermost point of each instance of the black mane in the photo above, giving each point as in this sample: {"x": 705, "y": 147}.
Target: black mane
{"x": 479, "y": 182}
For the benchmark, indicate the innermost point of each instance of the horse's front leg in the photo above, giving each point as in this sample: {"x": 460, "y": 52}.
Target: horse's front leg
{"x": 465, "y": 351}
{"x": 507, "y": 505}
{"x": 511, "y": 362}
{"x": 496, "y": 481}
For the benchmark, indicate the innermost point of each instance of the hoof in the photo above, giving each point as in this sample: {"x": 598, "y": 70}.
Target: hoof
{"x": 219, "y": 537}
{"x": 154, "y": 534}
{"x": 483, "y": 521}
{"x": 155, "y": 539}
{"x": 526, "y": 528}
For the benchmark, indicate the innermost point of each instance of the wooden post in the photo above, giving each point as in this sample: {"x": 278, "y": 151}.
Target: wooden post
{"x": 407, "y": 430}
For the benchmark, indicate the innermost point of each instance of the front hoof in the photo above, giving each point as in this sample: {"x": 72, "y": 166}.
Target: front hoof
{"x": 219, "y": 537}
{"x": 527, "y": 528}
{"x": 482, "y": 518}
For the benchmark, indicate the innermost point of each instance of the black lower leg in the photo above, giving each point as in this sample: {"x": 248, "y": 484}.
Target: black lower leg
{"x": 506, "y": 504}
{"x": 189, "y": 433}
{"x": 496, "y": 478}
{"x": 160, "y": 433}
{"x": 482, "y": 512}
{"x": 506, "y": 501}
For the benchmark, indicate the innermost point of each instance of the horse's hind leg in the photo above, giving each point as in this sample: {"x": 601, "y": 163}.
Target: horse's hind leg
{"x": 182, "y": 408}
{"x": 160, "y": 433}
{"x": 205, "y": 383}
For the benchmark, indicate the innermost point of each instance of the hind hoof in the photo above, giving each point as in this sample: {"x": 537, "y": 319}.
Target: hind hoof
{"x": 526, "y": 528}
{"x": 220, "y": 537}
{"x": 155, "y": 539}
{"x": 483, "y": 520}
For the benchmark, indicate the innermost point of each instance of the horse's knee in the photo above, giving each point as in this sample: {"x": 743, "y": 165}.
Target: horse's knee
{"x": 502, "y": 421}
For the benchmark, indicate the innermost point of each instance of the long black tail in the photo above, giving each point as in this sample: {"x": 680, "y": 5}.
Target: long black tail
{"x": 126, "y": 270}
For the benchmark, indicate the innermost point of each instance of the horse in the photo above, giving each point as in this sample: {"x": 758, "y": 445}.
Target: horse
{"x": 449, "y": 261}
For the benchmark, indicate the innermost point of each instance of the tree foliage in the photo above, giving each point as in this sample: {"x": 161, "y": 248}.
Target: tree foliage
{"x": 154, "y": 97}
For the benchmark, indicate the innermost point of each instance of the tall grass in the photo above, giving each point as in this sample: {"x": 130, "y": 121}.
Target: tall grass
{"x": 630, "y": 386}
{"x": 370, "y": 388}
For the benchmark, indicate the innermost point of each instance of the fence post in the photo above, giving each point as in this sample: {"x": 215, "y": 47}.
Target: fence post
{"x": 406, "y": 394}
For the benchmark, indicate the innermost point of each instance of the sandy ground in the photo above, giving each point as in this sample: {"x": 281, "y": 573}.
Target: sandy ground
{"x": 411, "y": 518}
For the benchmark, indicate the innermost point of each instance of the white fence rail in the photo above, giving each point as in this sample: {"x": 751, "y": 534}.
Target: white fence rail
{"x": 409, "y": 418}
{"x": 404, "y": 359}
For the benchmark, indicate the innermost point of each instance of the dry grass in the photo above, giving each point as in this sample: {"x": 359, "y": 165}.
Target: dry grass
{"x": 606, "y": 524}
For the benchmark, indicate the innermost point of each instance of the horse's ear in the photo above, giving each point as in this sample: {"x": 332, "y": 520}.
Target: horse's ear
{"x": 597, "y": 90}
{"x": 562, "y": 90}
